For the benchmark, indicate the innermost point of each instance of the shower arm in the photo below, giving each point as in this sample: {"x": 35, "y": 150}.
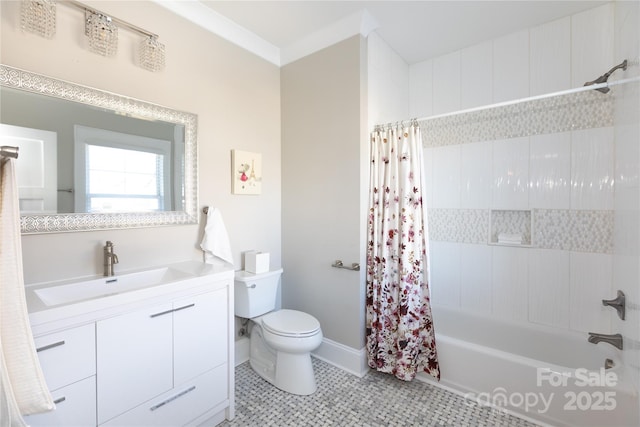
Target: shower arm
{"x": 605, "y": 77}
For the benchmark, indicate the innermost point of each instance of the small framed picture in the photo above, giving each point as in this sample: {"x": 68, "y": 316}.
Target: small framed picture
{"x": 246, "y": 172}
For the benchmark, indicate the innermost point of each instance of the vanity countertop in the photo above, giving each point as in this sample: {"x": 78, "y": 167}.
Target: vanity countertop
{"x": 50, "y": 314}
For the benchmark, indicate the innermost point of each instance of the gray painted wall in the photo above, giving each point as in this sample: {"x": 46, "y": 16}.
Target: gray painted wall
{"x": 324, "y": 169}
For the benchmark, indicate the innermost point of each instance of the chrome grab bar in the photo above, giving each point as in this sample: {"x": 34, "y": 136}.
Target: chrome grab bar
{"x": 339, "y": 264}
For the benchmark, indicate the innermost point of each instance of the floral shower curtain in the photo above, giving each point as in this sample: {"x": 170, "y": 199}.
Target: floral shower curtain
{"x": 400, "y": 334}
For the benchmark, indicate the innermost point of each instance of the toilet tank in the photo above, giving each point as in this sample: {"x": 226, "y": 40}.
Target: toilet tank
{"x": 255, "y": 294}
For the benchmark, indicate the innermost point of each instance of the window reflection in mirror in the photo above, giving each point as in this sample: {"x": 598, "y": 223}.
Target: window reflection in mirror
{"x": 119, "y": 172}
{"x": 119, "y": 180}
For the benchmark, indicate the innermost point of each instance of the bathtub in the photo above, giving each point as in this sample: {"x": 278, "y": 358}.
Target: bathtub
{"x": 553, "y": 377}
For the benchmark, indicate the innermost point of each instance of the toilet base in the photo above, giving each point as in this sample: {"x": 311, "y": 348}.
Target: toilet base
{"x": 289, "y": 372}
{"x": 294, "y": 374}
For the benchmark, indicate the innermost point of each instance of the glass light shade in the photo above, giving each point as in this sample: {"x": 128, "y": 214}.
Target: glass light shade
{"x": 103, "y": 34}
{"x": 38, "y": 17}
{"x": 152, "y": 54}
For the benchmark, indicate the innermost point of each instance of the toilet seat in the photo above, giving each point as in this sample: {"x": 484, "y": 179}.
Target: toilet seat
{"x": 290, "y": 323}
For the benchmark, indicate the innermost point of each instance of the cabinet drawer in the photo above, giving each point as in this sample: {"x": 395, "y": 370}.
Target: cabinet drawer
{"x": 75, "y": 406}
{"x": 180, "y": 405}
{"x": 67, "y": 356}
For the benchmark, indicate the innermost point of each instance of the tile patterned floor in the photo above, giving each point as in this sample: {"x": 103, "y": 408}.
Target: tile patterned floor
{"x": 343, "y": 399}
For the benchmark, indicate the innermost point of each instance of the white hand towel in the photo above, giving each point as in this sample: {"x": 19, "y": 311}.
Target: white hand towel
{"x": 215, "y": 242}
{"x": 513, "y": 238}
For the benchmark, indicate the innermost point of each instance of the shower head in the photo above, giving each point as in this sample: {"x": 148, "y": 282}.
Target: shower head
{"x": 603, "y": 78}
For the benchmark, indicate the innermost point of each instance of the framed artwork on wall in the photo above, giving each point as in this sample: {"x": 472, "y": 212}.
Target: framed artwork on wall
{"x": 246, "y": 172}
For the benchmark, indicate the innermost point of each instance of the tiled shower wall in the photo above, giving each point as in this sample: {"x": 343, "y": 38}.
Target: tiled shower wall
{"x": 530, "y": 175}
{"x": 559, "y": 168}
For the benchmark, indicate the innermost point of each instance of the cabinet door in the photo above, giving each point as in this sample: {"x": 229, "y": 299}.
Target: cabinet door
{"x": 200, "y": 334}
{"x": 134, "y": 359}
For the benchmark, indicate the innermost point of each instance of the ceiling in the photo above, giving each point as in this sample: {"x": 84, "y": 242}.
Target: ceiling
{"x": 283, "y": 31}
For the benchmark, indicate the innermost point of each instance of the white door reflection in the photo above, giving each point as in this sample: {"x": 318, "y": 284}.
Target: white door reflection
{"x": 36, "y": 168}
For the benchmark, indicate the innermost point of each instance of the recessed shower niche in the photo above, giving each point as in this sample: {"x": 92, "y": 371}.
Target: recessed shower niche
{"x": 510, "y": 227}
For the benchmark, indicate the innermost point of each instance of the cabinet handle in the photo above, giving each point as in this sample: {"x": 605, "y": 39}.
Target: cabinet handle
{"x": 184, "y": 307}
{"x": 162, "y": 313}
{"x": 172, "y": 398}
{"x": 47, "y": 347}
{"x": 59, "y": 400}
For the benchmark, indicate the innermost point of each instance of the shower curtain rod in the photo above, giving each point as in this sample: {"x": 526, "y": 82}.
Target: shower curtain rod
{"x": 8, "y": 151}
{"x": 535, "y": 98}
{"x": 521, "y": 100}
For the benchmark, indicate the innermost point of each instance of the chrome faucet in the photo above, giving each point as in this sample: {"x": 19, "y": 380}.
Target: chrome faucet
{"x": 615, "y": 339}
{"x": 109, "y": 259}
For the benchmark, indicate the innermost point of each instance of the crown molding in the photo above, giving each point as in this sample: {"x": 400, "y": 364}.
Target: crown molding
{"x": 212, "y": 21}
{"x": 360, "y": 22}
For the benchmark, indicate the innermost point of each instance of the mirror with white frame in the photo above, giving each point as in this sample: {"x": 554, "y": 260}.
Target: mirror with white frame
{"x": 93, "y": 160}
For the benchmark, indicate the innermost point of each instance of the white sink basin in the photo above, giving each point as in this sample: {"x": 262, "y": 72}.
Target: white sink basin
{"x": 106, "y": 286}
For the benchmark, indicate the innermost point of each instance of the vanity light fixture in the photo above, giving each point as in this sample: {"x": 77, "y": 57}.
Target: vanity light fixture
{"x": 102, "y": 33}
{"x": 38, "y": 17}
{"x": 151, "y": 54}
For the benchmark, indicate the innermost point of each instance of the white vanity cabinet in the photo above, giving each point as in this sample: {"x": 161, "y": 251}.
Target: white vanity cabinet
{"x": 149, "y": 362}
{"x": 160, "y": 358}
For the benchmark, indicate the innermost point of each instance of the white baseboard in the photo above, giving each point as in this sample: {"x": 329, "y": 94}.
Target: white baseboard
{"x": 342, "y": 356}
{"x": 339, "y": 355}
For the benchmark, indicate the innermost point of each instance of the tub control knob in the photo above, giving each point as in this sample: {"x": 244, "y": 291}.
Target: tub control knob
{"x": 618, "y": 303}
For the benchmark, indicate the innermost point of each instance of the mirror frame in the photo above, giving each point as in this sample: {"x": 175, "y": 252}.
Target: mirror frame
{"x": 54, "y": 223}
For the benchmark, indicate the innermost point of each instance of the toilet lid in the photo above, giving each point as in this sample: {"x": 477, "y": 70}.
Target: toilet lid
{"x": 291, "y": 323}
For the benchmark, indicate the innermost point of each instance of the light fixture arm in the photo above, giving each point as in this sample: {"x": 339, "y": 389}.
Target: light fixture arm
{"x": 118, "y": 21}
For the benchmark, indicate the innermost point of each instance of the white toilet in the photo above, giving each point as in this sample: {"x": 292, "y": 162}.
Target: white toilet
{"x": 281, "y": 340}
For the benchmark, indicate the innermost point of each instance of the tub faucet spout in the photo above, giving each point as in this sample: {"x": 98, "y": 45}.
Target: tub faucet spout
{"x": 110, "y": 259}
{"x": 615, "y": 339}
